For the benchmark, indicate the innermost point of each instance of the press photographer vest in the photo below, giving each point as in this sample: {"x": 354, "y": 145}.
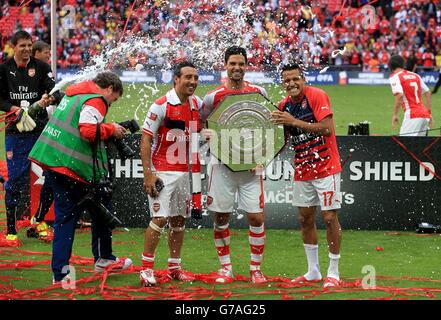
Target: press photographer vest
{"x": 61, "y": 145}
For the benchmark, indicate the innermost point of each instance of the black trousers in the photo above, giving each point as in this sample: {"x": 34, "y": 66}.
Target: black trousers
{"x": 67, "y": 194}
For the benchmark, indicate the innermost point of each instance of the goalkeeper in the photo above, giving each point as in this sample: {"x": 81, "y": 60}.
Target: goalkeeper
{"x": 24, "y": 81}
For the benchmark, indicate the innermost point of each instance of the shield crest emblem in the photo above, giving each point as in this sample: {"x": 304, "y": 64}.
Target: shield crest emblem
{"x": 245, "y": 136}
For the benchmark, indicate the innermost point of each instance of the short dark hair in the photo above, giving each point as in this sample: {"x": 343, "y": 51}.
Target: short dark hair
{"x": 106, "y": 79}
{"x": 235, "y": 50}
{"x": 19, "y": 35}
{"x": 292, "y": 66}
{"x": 178, "y": 68}
{"x": 39, "y": 46}
{"x": 396, "y": 62}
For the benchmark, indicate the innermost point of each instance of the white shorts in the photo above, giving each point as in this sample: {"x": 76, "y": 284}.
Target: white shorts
{"x": 223, "y": 185}
{"x": 174, "y": 198}
{"x": 323, "y": 192}
{"x": 416, "y": 127}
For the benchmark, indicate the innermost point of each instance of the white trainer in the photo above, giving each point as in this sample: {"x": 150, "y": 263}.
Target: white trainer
{"x": 66, "y": 283}
{"x": 225, "y": 275}
{"x": 117, "y": 265}
{"x": 147, "y": 278}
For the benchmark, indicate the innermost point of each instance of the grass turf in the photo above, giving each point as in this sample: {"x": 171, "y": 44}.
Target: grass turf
{"x": 350, "y": 104}
{"x": 406, "y": 268}
{"x": 404, "y": 255}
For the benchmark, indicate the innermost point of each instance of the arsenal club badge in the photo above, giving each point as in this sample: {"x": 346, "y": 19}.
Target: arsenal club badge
{"x": 31, "y": 72}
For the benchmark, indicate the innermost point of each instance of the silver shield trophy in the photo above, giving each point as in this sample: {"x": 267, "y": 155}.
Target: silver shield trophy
{"x": 245, "y": 137}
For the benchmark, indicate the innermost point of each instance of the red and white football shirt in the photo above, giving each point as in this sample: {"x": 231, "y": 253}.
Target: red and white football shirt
{"x": 316, "y": 156}
{"x": 215, "y": 97}
{"x": 411, "y": 86}
{"x": 168, "y": 121}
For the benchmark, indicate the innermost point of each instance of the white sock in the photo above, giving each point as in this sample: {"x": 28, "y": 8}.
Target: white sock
{"x": 174, "y": 263}
{"x": 333, "y": 266}
{"x": 311, "y": 251}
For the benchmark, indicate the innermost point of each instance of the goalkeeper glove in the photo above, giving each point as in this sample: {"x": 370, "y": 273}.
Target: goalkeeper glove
{"x": 25, "y": 122}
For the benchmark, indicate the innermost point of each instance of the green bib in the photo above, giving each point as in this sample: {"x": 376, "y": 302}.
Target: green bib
{"x": 61, "y": 145}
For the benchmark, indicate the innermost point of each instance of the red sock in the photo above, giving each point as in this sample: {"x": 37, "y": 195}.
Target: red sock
{"x": 256, "y": 237}
{"x": 174, "y": 264}
{"x": 148, "y": 260}
{"x": 222, "y": 243}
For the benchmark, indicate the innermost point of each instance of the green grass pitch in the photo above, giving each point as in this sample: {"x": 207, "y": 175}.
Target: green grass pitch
{"x": 406, "y": 268}
{"x": 349, "y": 103}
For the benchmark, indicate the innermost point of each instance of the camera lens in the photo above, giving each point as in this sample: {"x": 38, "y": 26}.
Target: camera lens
{"x": 124, "y": 150}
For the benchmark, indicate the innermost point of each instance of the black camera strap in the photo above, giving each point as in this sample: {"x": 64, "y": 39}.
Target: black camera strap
{"x": 95, "y": 152}
{"x": 96, "y": 163}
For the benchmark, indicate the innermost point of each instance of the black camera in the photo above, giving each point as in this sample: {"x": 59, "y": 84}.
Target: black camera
{"x": 361, "y": 129}
{"x": 92, "y": 203}
{"x": 124, "y": 150}
{"x": 196, "y": 214}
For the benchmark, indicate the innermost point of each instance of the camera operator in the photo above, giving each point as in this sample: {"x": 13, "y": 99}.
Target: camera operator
{"x": 72, "y": 151}
{"x": 24, "y": 81}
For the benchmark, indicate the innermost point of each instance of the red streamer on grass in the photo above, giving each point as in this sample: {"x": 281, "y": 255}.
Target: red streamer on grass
{"x": 22, "y": 252}
{"x": 3, "y": 119}
{"x": 23, "y": 264}
{"x": 174, "y": 292}
{"x": 97, "y": 285}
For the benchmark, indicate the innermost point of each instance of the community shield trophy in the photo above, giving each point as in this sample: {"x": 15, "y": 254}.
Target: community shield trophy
{"x": 245, "y": 136}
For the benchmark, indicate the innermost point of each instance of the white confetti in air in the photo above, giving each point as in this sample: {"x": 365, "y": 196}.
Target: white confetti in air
{"x": 335, "y": 53}
{"x": 239, "y": 216}
{"x": 324, "y": 70}
{"x": 351, "y": 150}
{"x": 139, "y": 67}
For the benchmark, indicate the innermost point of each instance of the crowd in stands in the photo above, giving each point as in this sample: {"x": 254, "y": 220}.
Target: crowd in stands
{"x": 275, "y": 30}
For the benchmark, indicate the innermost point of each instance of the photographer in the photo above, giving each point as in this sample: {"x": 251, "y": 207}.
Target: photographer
{"x": 72, "y": 151}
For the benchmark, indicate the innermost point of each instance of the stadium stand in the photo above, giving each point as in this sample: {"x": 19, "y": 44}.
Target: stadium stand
{"x": 411, "y": 28}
